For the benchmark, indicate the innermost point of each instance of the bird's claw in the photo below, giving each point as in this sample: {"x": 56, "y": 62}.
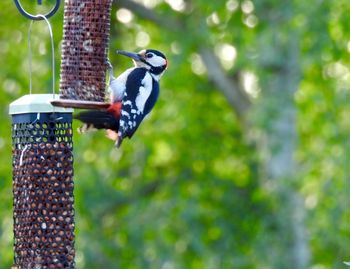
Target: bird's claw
{"x": 108, "y": 63}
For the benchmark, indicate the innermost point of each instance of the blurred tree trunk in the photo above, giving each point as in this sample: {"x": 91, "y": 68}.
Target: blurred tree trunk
{"x": 280, "y": 79}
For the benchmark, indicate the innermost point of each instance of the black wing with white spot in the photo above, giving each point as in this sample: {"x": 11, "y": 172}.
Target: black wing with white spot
{"x": 140, "y": 96}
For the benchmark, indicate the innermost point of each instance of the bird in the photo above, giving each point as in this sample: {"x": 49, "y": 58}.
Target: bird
{"x": 133, "y": 95}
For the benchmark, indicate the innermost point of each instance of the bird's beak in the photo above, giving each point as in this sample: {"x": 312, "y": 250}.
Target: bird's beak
{"x": 135, "y": 56}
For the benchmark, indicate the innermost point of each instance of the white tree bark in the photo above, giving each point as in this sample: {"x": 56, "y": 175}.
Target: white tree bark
{"x": 281, "y": 169}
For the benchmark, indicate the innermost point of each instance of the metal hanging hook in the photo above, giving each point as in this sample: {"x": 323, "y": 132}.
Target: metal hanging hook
{"x": 52, "y": 52}
{"x": 37, "y": 17}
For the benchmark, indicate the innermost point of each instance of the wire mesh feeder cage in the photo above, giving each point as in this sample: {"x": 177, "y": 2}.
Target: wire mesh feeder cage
{"x": 42, "y": 164}
{"x": 42, "y": 186}
{"x": 84, "y": 53}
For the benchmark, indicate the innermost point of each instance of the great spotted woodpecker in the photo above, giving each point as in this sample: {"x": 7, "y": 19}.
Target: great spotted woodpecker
{"x": 133, "y": 95}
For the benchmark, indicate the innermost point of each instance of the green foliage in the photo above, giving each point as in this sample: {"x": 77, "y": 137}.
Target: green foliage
{"x": 192, "y": 188}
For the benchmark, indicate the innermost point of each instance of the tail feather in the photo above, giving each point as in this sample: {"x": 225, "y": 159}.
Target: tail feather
{"x": 98, "y": 119}
{"x": 119, "y": 141}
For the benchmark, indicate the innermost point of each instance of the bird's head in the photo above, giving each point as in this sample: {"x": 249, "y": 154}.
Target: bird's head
{"x": 152, "y": 60}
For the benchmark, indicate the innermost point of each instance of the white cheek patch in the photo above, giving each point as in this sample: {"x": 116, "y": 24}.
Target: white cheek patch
{"x": 157, "y": 61}
{"x": 145, "y": 92}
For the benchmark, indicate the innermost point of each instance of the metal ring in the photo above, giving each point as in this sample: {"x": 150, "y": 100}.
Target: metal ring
{"x": 36, "y": 17}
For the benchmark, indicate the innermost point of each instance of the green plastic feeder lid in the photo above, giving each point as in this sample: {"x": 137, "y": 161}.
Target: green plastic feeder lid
{"x": 36, "y": 103}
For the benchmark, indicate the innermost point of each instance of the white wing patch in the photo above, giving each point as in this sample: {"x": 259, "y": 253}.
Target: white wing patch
{"x": 145, "y": 92}
{"x": 117, "y": 86}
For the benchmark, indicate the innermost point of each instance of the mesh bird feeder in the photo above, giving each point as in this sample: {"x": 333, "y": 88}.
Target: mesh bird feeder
{"x": 85, "y": 53}
{"x": 42, "y": 183}
{"x": 43, "y": 200}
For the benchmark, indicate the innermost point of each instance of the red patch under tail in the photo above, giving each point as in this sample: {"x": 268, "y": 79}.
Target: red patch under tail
{"x": 115, "y": 109}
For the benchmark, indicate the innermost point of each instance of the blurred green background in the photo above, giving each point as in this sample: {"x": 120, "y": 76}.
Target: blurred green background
{"x": 243, "y": 163}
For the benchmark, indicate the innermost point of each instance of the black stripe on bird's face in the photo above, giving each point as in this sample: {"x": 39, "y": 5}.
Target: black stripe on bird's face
{"x": 157, "y": 70}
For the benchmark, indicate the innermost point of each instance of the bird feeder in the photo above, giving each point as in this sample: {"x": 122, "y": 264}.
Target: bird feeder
{"x": 43, "y": 200}
{"x": 42, "y": 183}
{"x": 84, "y": 53}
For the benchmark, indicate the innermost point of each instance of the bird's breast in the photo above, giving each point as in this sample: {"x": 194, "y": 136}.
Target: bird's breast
{"x": 117, "y": 86}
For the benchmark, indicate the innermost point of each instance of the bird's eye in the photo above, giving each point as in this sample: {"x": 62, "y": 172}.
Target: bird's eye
{"x": 149, "y": 55}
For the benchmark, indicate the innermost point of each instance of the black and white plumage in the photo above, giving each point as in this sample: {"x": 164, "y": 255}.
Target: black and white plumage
{"x": 133, "y": 95}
